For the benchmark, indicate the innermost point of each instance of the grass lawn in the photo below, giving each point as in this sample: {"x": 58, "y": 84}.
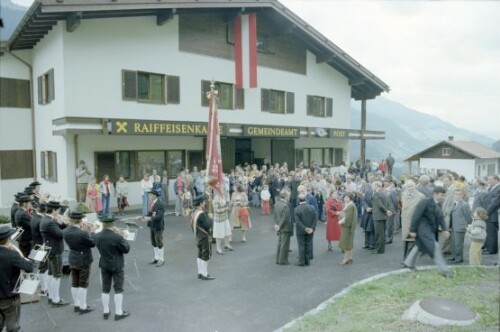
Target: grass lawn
{"x": 379, "y": 305}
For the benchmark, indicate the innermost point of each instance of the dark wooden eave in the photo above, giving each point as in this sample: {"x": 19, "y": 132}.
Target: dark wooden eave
{"x": 44, "y": 14}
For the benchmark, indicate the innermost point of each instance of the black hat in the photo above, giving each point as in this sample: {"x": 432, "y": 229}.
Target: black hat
{"x": 34, "y": 184}
{"x": 53, "y": 205}
{"x": 19, "y": 194}
{"x": 28, "y": 190}
{"x": 108, "y": 218}
{"x": 6, "y": 231}
{"x": 24, "y": 198}
{"x": 154, "y": 192}
{"x": 76, "y": 215}
{"x": 198, "y": 200}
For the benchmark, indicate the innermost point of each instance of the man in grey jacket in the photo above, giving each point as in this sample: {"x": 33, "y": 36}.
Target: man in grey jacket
{"x": 381, "y": 210}
{"x": 460, "y": 217}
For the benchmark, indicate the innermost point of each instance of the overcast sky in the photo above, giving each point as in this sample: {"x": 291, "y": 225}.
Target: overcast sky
{"x": 438, "y": 57}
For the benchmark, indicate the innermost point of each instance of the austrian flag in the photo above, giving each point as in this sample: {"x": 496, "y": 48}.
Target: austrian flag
{"x": 245, "y": 51}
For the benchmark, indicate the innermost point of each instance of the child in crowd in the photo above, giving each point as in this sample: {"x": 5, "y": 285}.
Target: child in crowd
{"x": 477, "y": 232}
{"x": 265, "y": 196}
{"x": 187, "y": 202}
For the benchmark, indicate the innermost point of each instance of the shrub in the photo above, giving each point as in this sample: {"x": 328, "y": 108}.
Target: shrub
{"x": 4, "y": 219}
{"x": 82, "y": 208}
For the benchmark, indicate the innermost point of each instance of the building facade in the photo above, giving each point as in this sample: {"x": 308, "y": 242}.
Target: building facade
{"x": 122, "y": 86}
{"x": 467, "y": 158}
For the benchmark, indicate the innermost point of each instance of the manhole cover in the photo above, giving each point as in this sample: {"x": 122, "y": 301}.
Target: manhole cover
{"x": 439, "y": 312}
{"x": 447, "y": 309}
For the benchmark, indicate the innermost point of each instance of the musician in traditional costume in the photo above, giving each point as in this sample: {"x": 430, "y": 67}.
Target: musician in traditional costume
{"x": 112, "y": 246}
{"x": 80, "y": 244}
{"x": 13, "y": 209}
{"x": 37, "y": 195}
{"x": 202, "y": 226}
{"x": 23, "y": 220}
{"x": 156, "y": 222}
{"x": 51, "y": 228}
{"x": 43, "y": 266}
{"x": 11, "y": 264}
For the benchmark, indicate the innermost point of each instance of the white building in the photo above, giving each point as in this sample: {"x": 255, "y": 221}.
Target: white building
{"x": 467, "y": 158}
{"x": 121, "y": 86}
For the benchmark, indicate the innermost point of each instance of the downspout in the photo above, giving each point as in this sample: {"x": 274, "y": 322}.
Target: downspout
{"x": 75, "y": 143}
{"x": 33, "y": 137}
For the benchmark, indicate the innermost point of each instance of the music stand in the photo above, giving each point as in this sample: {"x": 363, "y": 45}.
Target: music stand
{"x": 39, "y": 253}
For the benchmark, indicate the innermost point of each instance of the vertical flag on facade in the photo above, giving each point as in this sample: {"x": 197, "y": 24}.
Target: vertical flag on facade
{"x": 245, "y": 51}
{"x": 214, "y": 159}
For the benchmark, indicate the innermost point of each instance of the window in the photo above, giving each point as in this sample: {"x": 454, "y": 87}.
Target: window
{"x": 319, "y": 106}
{"x": 446, "y": 152}
{"x": 14, "y": 93}
{"x": 175, "y": 162}
{"x": 322, "y": 156}
{"x": 16, "y": 164}
{"x": 48, "y": 160}
{"x": 265, "y": 44}
{"x": 125, "y": 164}
{"x": 228, "y": 97}
{"x": 491, "y": 170}
{"x": 147, "y": 161}
{"x": 275, "y": 101}
{"x": 46, "y": 87}
{"x": 150, "y": 87}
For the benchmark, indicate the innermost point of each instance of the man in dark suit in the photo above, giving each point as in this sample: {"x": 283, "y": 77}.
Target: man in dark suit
{"x": 11, "y": 264}
{"x": 156, "y": 223}
{"x": 13, "y": 209}
{"x": 23, "y": 220}
{"x": 51, "y": 228}
{"x": 381, "y": 210}
{"x": 493, "y": 200}
{"x": 112, "y": 246}
{"x": 294, "y": 185}
{"x": 461, "y": 216}
{"x": 283, "y": 225}
{"x": 80, "y": 259}
{"x": 306, "y": 218}
{"x": 202, "y": 227}
{"x": 426, "y": 220}
{"x": 367, "y": 217}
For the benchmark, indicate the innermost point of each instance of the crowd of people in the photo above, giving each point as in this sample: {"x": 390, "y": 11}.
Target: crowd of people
{"x": 433, "y": 215}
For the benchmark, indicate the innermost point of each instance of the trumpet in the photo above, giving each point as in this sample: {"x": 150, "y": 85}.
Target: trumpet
{"x": 89, "y": 226}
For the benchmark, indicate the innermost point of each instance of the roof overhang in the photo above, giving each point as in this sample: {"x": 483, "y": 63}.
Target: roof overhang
{"x": 44, "y": 14}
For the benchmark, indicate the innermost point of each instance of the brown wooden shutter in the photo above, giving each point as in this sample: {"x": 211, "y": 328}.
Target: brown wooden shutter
{"x": 205, "y": 87}
{"x": 239, "y": 103}
{"x": 310, "y": 105}
{"x": 50, "y": 87}
{"x": 42, "y": 163}
{"x": 173, "y": 90}
{"x": 265, "y": 100}
{"x": 329, "y": 107}
{"x": 40, "y": 89}
{"x": 129, "y": 85}
{"x": 290, "y": 103}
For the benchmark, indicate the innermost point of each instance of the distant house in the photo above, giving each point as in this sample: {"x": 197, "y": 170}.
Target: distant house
{"x": 470, "y": 159}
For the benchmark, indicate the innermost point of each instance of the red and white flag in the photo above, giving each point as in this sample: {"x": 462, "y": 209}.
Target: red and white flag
{"x": 214, "y": 165}
{"x": 245, "y": 51}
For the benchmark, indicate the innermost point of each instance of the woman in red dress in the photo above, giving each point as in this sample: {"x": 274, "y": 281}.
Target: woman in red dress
{"x": 333, "y": 208}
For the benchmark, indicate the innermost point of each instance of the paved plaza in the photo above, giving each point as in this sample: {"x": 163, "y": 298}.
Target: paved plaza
{"x": 250, "y": 292}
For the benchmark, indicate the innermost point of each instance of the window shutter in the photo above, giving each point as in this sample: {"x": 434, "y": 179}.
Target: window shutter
{"x": 42, "y": 164}
{"x": 173, "y": 90}
{"x": 40, "y": 90}
{"x": 265, "y": 100}
{"x": 239, "y": 99}
{"x": 310, "y": 105}
{"x": 329, "y": 107}
{"x": 205, "y": 87}
{"x": 129, "y": 85}
{"x": 290, "y": 103}
{"x": 53, "y": 166}
{"x": 50, "y": 81}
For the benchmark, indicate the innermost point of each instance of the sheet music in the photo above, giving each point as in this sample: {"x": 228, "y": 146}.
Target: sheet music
{"x": 29, "y": 286}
